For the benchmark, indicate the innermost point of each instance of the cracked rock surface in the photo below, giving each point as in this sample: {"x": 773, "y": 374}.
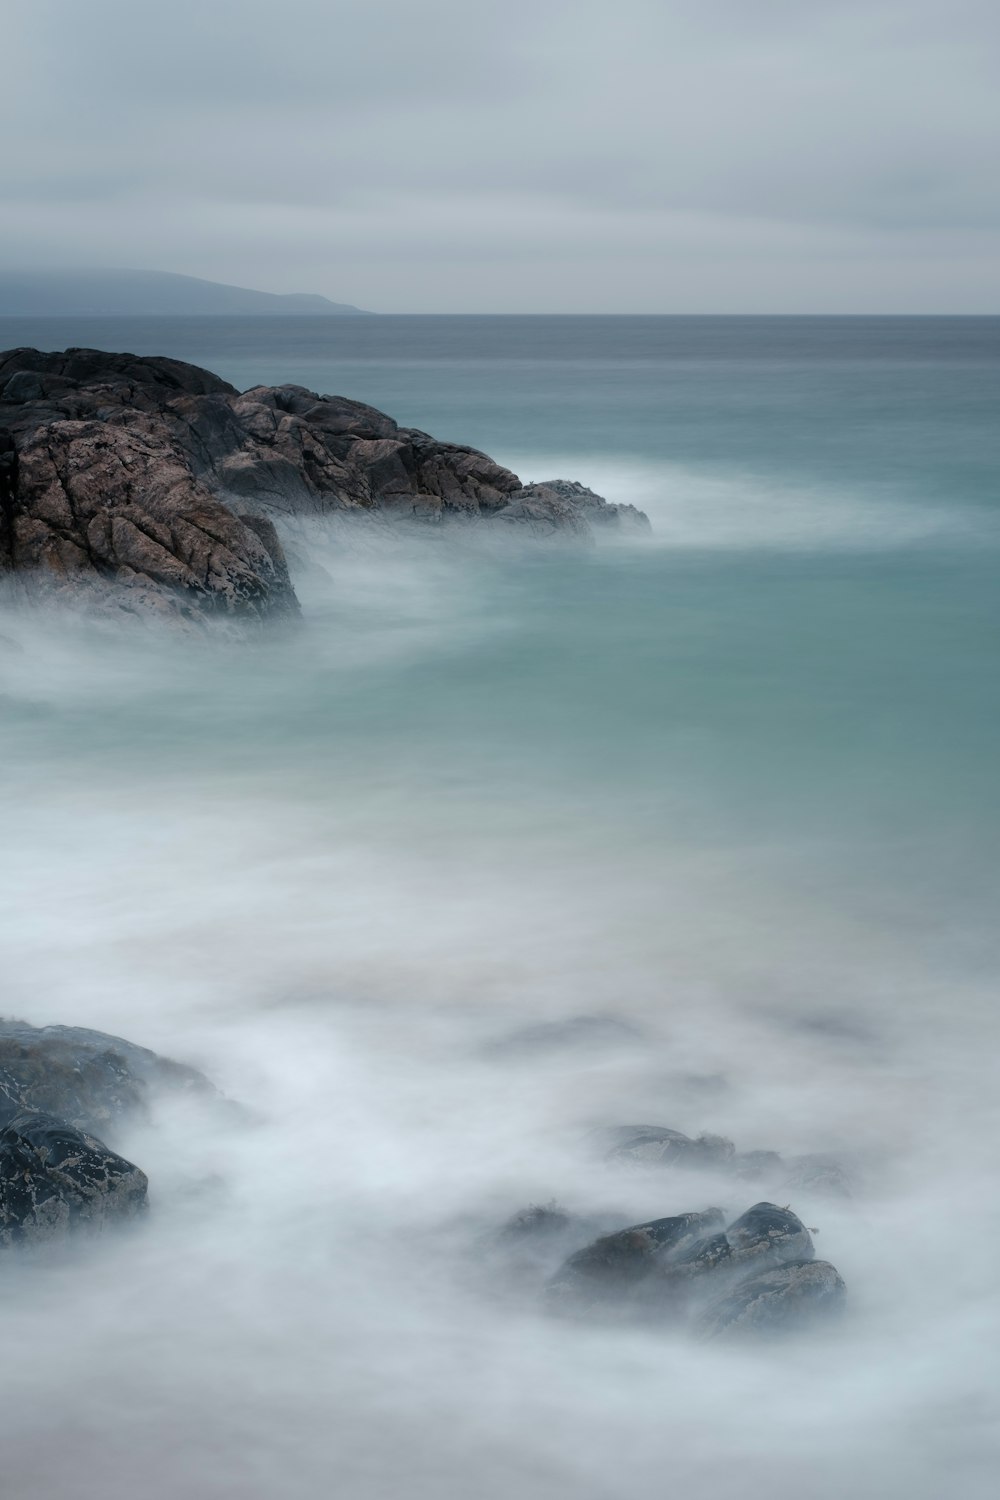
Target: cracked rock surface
{"x": 56, "y": 1180}
{"x": 62, "y": 1090}
{"x": 152, "y": 486}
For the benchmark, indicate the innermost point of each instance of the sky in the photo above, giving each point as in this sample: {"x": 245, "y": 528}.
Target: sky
{"x": 531, "y": 156}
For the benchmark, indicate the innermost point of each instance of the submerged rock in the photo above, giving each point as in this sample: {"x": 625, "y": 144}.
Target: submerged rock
{"x": 89, "y": 1079}
{"x": 820, "y": 1174}
{"x": 576, "y": 1034}
{"x": 149, "y": 485}
{"x": 56, "y": 1180}
{"x": 657, "y": 1145}
{"x": 609, "y": 1270}
{"x": 784, "y": 1299}
{"x": 691, "y": 1270}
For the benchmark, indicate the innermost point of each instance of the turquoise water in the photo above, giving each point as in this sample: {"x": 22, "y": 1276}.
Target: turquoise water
{"x": 734, "y": 785}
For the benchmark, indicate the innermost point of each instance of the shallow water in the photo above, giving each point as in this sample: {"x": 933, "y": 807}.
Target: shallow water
{"x": 734, "y": 787}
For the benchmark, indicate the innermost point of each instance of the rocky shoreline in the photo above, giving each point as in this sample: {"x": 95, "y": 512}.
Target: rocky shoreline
{"x": 63, "y": 1089}
{"x": 150, "y": 486}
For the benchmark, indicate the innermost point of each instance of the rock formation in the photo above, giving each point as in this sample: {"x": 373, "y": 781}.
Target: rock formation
{"x": 757, "y": 1275}
{"x": 146, "y": 484}
{"x": 59, "y": 1087}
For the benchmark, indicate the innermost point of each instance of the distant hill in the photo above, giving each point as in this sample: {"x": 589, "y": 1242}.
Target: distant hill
{"x": 150, "y": 294}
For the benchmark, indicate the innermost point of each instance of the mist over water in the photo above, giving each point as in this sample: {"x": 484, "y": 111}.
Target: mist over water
{"x": 733, "y": 788}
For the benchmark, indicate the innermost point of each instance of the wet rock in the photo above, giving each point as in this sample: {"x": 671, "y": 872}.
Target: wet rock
{"x": 56, "y": 1181}
{"x": 607, "y": 1272}
{"x": 769, "y": 1235}
{"x": 89, "y": 1079}
{"x": 780, "y": 1300}
{"x": 528, "y": 1248}
{"x": 659, "y": 1146}
{"x": 689, "y": 1270}
{"x": 595, "y": 509}
{"x": 136, "y": 482}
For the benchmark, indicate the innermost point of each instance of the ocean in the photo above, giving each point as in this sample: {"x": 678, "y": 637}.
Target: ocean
{"x": 731, "y": 787}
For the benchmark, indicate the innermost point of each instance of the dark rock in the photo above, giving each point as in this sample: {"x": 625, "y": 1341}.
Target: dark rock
{"x": 594, "y": 508}
{"x": 149, "y": 482}
{"x": 703, "y": 1256}
{"x": 56, "y": 1181}
{"x": 752, "y": 1275}
{"x": 89, "y": 1079}
{"x": 532, "y": 1243}
{"x": 607, "y": 1272}
{"x": 769, "y": 1235}
{"x": 657, "y": 1145}
{"x": 780, "y": 1300}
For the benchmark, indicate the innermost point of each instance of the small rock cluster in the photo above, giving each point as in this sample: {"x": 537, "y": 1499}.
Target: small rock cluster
{"x": 757, "y": 1274}
{"x": 62, "y": 1089}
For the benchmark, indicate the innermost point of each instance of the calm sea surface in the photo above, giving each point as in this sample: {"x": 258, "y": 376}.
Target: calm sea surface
{"x": 735, "y": 786}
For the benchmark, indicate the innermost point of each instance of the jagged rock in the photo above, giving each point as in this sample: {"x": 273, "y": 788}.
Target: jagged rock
{"x": 657, "y": 1145}
{"x": 595, "y": 509}
{"x": 612, "y": 1268}
{"x": 153, "y": 484}
{"x": 779, "y": 1300}
{"x": 56, "y": 1181}
{"x": 87, "y": 1078}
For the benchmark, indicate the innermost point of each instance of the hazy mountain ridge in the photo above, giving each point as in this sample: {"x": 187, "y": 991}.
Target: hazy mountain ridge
{"x": 31, "y": 293}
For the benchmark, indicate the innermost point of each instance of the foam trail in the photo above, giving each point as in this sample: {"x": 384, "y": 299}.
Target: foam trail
{"x": 335, "y": 871}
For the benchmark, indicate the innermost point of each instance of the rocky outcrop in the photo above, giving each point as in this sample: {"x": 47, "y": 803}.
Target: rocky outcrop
{"x": 757, "y": 1274}
{"x": 598, "y": 511}
{"x": 56, "y": 1180}
{"x": 152, "y": 485}
{"x": 779, "y": 1300}
{"x": 62, "y": 1090}
{"x": 91, "y": 1080}
{"x": 660, "y": 1146}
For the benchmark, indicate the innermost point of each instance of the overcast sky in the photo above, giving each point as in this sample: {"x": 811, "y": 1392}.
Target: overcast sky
{"x": 532, "y": 155}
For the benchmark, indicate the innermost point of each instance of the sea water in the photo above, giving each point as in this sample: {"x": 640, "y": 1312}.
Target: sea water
{"x": 732, "y": 786}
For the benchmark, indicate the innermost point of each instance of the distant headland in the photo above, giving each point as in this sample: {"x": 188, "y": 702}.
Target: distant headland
{"x": 151, "y": 294}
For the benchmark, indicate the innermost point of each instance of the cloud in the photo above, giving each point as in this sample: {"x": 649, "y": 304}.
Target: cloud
{"x": 372, "y": 151}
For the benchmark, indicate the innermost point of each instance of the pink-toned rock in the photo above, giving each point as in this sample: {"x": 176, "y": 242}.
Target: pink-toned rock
{"x": 146, "y": 484}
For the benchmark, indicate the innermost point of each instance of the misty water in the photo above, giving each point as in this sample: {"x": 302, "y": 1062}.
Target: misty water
{"x": 733, "y": 786}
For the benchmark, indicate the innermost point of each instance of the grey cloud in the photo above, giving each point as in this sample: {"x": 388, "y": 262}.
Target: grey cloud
{"x": 370, "y": 151}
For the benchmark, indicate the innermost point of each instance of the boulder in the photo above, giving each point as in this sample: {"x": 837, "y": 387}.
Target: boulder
{"x": 783, "y": 1299}
{"x": 659, "y": 1146}
{"x": 56, "y": 1181}
{"x": 768, "y": 1235}
{"x": 89, "y": 1079}
{"x": 691, "y": 1271}
{"x": 607, "y": 1272}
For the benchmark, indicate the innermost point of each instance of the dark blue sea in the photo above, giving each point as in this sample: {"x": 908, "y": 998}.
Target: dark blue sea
{"x": 733, "y": 787}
